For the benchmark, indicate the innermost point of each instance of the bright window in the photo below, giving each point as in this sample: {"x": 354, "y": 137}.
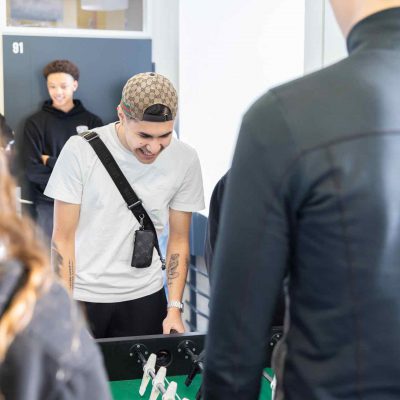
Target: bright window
{"x": 122, "y": 15}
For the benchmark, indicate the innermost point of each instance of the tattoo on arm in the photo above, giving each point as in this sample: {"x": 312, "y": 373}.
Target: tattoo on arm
{"x": 56, "y": 258}
{"x": 57, "y": 263}
{"x": 172, "y": 268}
{"x": 71, "y": 271}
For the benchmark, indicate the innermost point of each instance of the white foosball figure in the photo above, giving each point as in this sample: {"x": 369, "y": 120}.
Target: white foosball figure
{"x": 148, "y": 371}
{"x": 158, "y": 382}
{"x": 171, "y": 391}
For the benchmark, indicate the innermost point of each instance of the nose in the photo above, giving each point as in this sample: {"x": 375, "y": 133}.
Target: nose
{"x": 154, "y": 146}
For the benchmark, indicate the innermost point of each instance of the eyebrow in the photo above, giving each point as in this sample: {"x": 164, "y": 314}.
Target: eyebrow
{"x": 151, "y": 136}
{"x": 55, "y": 84}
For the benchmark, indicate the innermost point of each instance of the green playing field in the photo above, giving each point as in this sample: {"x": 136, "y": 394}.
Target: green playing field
{"x": 129, "y": 390}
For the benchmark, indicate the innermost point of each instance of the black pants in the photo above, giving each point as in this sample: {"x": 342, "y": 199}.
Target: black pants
{"x": 142, "y": 316}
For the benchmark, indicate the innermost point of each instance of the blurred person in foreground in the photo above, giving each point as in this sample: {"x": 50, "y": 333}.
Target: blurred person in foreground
{"x": 45, "y": 349}
{"x": 314, "y": 193}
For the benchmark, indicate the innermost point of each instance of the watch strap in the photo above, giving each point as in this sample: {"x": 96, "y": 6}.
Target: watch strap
{"x": 175, "y": 304}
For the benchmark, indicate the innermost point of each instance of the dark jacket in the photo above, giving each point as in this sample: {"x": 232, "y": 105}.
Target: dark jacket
{"x": 46, "y": 132}
{"x": 317, "y": 168}
{"x": 54, "y": 357}
{"x": 213, "y": 222}
{"x": 214, "y": 219}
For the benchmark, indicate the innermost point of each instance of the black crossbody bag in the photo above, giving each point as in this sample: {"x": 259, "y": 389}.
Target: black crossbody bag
{"x": 145, "y": 238}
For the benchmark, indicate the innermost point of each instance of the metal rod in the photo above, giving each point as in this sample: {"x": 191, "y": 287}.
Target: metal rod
{"x": 193, "y": 296}
{"x": 159, "y": 386}
{"x": 193, "y": 356}
{"x": 195, "y": 269}
{"x": 268, "y": 377}
{"x": 199, "y": 292}
{"x": 197, "y": 311}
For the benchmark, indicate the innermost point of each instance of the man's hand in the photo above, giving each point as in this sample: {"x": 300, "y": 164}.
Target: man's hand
{"x": 173, "y": 321}
{"x": 45, "y": 159}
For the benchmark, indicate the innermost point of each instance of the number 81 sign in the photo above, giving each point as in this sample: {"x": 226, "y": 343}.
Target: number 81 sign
{"x": 18, "y": 47}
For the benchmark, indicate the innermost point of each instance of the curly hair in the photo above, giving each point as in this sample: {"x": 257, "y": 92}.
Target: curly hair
{"x": 65, "y": 66}
{"x": 18, "y": 234}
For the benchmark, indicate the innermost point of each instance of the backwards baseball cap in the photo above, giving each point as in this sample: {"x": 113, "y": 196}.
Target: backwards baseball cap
{"x": 145, "y": 90}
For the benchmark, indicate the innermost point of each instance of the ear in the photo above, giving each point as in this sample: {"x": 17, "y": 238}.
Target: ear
{"x": 75, "y": 85}
{"x": 121, "y": 115}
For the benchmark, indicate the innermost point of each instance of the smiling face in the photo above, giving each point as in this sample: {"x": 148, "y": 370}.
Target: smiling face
{"x": 145, "y": 140}
{"x": 61, "y": 87}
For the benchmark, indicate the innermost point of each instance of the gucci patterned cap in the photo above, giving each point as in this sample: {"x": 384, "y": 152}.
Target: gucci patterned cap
{"x": 145, "y": 90}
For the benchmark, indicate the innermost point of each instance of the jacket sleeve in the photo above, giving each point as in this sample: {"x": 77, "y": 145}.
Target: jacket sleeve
{"x": 213, "y": 222}
{"x": 23, "y": 374}
{"x": 32, "y": 150}
{"x": 51, "y": 162}
{"x": 32, "y": 370}
{"x": 251, "y": 256}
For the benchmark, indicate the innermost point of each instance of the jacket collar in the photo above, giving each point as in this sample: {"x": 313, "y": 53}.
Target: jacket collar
{"x": 380, "y": 30}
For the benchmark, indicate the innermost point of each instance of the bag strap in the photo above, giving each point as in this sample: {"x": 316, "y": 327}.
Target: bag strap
{"x": 133, "y": 202}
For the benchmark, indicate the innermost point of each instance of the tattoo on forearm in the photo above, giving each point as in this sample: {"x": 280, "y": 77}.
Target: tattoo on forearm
{"x": 56, "y": 258}
{"x": 172, "y": 268}
{"x": 71, "y": 271}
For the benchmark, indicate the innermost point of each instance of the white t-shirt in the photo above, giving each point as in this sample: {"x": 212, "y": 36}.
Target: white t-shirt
{"x": 105, "y": 232}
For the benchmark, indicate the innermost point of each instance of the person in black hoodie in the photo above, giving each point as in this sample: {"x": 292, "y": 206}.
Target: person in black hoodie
{"x": 47, "y": 131}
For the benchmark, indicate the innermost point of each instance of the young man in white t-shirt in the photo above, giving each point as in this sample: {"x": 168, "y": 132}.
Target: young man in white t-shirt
{"x": 93, "y": 236}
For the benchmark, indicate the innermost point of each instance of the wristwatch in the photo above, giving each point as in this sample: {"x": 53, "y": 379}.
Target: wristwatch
{"x": 175, "y": 304}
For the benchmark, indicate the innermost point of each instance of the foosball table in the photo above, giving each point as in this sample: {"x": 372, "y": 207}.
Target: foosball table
{"x": 164, "y": 367}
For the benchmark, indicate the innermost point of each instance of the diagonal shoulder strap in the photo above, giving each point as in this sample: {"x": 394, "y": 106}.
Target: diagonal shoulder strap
{"x": 133, "y": 202}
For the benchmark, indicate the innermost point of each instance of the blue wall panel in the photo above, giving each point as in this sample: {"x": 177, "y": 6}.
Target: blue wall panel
{"x": 105, "y": 65}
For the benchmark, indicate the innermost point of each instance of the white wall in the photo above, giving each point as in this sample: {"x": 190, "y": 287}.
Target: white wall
{"x": 164, "y": 26}
{"x": 324, "y": 42}
{"x": 334, "y": 42}
{"x": 232, "y": 51}
{"x": 314, "y": 27}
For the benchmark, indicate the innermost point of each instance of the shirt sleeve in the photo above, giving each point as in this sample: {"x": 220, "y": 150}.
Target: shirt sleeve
{"x": 190, "y": 196}
{"x": 251, "y": 255}
{"x": 66, "y": 180}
